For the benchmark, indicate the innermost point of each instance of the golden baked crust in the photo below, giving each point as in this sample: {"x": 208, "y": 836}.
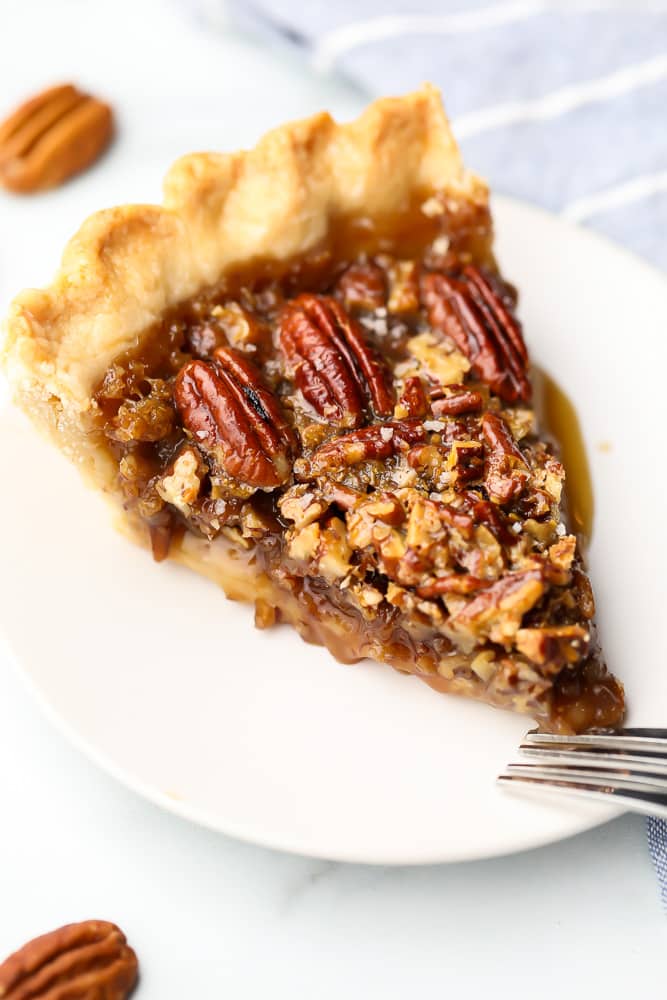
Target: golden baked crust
{"x": 127, "y": 265}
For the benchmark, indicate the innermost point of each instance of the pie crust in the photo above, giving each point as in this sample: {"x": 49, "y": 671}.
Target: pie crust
{"x": 389, "y": 187}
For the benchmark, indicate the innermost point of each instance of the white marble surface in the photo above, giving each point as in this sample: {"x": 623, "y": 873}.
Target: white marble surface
{"x": 211, "y": 917}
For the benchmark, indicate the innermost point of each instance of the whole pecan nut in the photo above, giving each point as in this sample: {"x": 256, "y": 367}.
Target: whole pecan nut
{"x": 52, "y": 136}
{"x": 235, "y": 419}
{"x": 88, "y": 961}
{"x": 472, "y": 313}
{"x": 326, "y": 354}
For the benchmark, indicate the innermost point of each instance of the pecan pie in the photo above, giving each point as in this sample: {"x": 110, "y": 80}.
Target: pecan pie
{"x": 304, "y": 377}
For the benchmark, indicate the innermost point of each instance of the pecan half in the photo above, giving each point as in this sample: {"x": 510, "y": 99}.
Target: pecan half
{"x": 470, "y": 311}
{"x": 377, "y": 442}
{"x": 51, "y": 137}
{"x": 88, "y": 961}
{"x": 234, "y": 418}
{"x": 506, "y": 468}
{"x": 327, "y": 356}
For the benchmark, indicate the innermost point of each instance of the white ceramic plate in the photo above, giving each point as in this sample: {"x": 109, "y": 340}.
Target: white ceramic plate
{"x": 166, "y": 685}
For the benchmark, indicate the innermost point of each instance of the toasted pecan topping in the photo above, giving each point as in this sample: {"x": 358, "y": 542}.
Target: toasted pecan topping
{"x": 454, "y": 583}
{"x": 453, "y": 400}
{"x": 496, "y": 611}
{"x": 235, "y": 419}
{"x": 471, "y": 312}
{"x": 506, "y": 469}
{"x": 413, "y": 401}
{"x": 404, "y": 287}
{"x": 557, "y": 645}
{"x": 331, "y": 363}
{"x": 363, "y": 286}
{"x": 377, "y": 442}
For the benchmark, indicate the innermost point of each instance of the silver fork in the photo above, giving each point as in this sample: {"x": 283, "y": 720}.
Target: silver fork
{"x": 625, "y": 766}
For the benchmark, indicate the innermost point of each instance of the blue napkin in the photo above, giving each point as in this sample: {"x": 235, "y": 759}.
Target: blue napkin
{"x": 529, "y": 85}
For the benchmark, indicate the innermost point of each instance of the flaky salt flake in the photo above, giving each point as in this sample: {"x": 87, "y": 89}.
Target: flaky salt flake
{"x": 561, "y": 530}
{"x": 386, "y": 433}
{"x": 375, "y": 325}
{"x": 434, "y": 425}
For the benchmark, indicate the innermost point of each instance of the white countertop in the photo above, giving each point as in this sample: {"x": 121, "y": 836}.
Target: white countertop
{"x": 208, "y": 916}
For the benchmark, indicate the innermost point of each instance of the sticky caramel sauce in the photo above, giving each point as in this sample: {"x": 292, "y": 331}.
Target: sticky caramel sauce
{"x": 558, "y": 418}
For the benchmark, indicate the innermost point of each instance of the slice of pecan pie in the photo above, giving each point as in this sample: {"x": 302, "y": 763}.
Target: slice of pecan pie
{"x": 304, "y": 377}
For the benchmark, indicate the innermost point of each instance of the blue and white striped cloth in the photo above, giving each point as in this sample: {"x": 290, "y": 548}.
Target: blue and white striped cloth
{"x": 560, "y": 103}
{"x": 530, "y": 85}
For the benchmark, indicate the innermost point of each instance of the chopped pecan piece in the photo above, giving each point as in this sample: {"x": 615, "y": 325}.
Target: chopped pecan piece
{"x": 489, "y": 514}
{"x": 556, "y": 645}
{"x": 453, "y": 400}
{"x": 234, "y": 418}
{"x": 343, "y": 496}
{"x": 147, "y": 419}
{"x": 182, "y": 480}
{"x": 404, "y": 285}
{"x": 203, "y": 338}
{"x": 325, "y": 353}
{"x": 506, "y": 468}
{"x": 86, "y": 961}
{"x": 386, "y": 507}
{"x": 466, "y": 461}
{"x": 363, "y": 286}
{"x": 413, "y": 401}
{"x": 435, "y": 356}
{"x": 226, "y": 324}
{"x": 454, "y": 583}
{"x": 470, "y": 311}
{"x": 496, "y": 612}
{"x": 377, "y": 442}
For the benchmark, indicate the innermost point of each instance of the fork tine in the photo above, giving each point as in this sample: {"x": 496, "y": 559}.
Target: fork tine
{"x": 593, "y": 755}
{"x": 630, "y": 796}
{"x": 635, "y": 740}
{"x": 627, "y": 766}
{"x": 600, "y": 773}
